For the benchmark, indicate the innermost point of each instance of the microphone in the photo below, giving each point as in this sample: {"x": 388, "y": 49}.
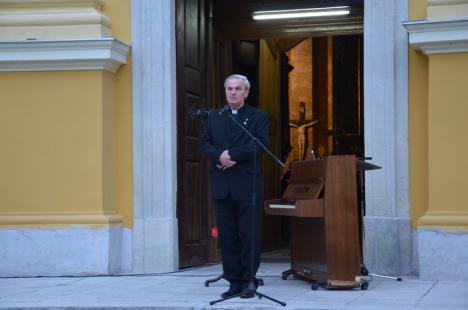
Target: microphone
{"x": 199, "y": 113}
{"x": 224, "y": 109}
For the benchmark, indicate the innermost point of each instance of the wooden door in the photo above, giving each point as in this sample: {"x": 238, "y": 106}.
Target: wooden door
{"x": 269, "y": 88}
{"x": 322, "y": 79}
{"x": 338, "y": 101}
{"x": 348, "y": 95}
{"x": 192, "y": 84}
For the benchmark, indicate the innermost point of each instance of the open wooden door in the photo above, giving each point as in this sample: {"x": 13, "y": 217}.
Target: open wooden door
{"x": 269, "y": 101}
{"x": 338, "y": 96}
{"x": 192, "y": 85}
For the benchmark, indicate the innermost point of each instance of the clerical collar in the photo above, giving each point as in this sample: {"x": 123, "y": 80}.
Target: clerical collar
{"x": 236, "y": 111}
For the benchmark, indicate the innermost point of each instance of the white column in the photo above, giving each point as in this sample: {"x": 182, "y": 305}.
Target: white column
{"x": 387, "y": 222}
{"x": 155, "y": 238}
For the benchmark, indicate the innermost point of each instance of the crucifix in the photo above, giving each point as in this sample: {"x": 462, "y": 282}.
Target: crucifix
{"x": 301, "y": 125}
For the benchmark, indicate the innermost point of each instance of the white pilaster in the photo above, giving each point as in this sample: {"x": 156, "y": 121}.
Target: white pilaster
{"x": 387, "y": 223}
{"x": 154, "y": 136}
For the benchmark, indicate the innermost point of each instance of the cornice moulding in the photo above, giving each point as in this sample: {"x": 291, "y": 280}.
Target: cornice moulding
{"x": 438, "y": 36}
{"x": 444, "y": 219}
{"x": 48, "y": 55}
{"x": 445, "y": 2}
{"x": 59, "y": 218}
{"x": 53, "y": 20}
{"x": 48, "y": 2}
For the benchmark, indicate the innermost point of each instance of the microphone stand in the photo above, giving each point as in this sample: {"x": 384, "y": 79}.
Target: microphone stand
{"x": 252, "y": 287}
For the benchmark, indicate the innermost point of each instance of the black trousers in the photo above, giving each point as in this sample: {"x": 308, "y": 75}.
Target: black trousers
{"x": 239, "y": 238}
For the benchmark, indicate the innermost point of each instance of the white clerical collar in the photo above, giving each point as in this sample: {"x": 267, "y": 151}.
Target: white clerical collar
{"x": 234, "y": 111}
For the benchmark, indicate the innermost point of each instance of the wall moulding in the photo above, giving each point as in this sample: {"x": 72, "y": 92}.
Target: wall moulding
{"x": 438, "y": 36}
{"x": 445, "y": 2}
{"x": 444, "y": 9}
{"x": 52, "y": 19}
{"x": 52, "y": 55}
{"x": 450, "y": 219}
{"x": 105, "y": 218}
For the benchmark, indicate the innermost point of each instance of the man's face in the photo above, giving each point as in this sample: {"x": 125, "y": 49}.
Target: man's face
{"x": 236, "y": 92}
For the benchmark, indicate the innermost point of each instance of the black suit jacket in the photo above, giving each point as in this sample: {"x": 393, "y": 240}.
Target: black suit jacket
{"x": 221, "y": 134}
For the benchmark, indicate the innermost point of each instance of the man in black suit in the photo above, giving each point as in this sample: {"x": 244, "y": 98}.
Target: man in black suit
{"x": 231, "y": 152}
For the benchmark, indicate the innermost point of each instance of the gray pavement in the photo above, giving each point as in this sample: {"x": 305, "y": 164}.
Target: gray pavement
{"x": 186, "y": 290}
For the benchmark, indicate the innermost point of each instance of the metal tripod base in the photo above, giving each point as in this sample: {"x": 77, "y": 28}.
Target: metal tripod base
{"x": 385, "y": 277}
{"x": 251, "y": 289}
{"x": 365, "y": 273}
{"x": 207, "y": 282}
{"x": 259, "y": 295}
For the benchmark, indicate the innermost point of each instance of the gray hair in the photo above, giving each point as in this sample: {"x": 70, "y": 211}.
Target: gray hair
{"x": 237, "y": 77}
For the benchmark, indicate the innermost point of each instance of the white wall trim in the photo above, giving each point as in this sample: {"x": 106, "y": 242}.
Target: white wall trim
{"x": 444, "y": 2}
{"x": 69, "y": 251}
{"x": 155, "y": 227}
{"x": 387, "y": 246}
{"x": 438, "y": 36}
{"x": 51, "y": 55}
{"x": 442, "y": 254}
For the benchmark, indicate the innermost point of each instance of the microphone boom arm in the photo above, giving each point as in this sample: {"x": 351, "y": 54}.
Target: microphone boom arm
{"x": 224, "y": 110}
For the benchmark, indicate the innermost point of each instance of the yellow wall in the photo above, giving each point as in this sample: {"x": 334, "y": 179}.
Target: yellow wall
{"x": 123, "y": 144}
{"x": 448, "y": 149}
{"x": 51, "y": 148}
{"x": 437, "y": 127}
{"x": 418, "y": 98}
{"x": 66, "y": 141}
{"x": 119, "y": 13}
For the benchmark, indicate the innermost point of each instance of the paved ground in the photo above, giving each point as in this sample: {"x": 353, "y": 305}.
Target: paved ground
{"x": 186, "y": 290}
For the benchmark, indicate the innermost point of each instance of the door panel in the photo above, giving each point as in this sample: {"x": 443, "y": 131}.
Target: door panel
{"x": 269, "y": 100}
{"x": 347, "y": 103}
{"x": 322, "y": 79}
{"x": 192, "y": 196}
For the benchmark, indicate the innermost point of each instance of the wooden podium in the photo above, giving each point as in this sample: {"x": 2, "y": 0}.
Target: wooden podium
{"x": 321, "y": 198}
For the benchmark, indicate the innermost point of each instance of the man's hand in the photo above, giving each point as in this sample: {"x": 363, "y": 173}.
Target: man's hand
{"x": 225, "y": 161}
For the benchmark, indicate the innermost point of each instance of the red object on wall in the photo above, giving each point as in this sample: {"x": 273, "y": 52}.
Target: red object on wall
{"x": 214, "y": 232}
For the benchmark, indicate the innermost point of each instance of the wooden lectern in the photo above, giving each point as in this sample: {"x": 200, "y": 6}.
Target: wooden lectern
{"x": 321, "y": 198}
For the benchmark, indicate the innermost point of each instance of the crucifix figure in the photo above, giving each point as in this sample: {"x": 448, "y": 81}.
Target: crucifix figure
{"x": 302, "y": 124}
